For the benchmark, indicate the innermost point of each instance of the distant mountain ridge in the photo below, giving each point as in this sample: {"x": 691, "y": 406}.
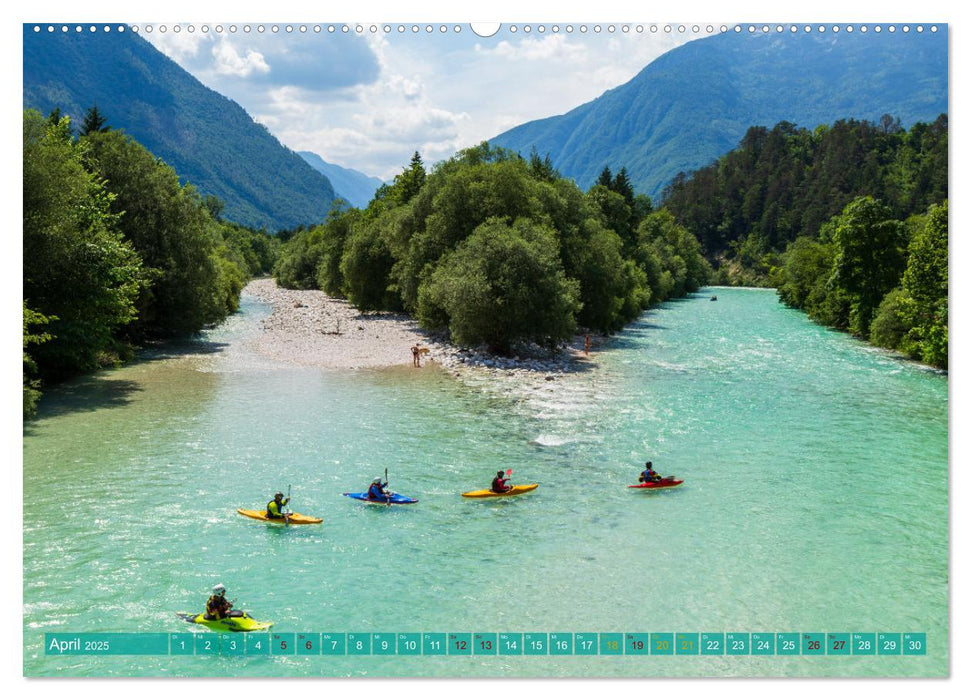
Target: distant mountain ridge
{"x": 354, "y": 186}
{"x": 210, "y": 140}
{"x": 696, "y": 102}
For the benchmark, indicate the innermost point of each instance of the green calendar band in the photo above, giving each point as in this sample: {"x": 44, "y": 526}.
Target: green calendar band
{"x": 633, "y": 644}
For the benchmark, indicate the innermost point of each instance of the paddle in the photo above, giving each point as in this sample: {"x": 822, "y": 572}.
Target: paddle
{"x": 388, "y": 493}
{"x": 286, "y": 513}
{"x": 508, "y": 474}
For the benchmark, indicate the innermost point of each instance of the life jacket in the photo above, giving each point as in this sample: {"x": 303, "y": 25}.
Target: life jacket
{"x": 499, "y": 485}
{"x": 273, "y": 510}
{"x": 217, "y": 606}
{"x": 376, "y": 493}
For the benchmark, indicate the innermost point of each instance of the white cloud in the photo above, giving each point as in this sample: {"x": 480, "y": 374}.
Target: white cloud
{"x": 179, "y": 46}
{"x": 368, "y": 102}
{"x": 376, "y": 132}
{"x": 410, "y": 89}
{"x": 553, "y": 47}
{"x": 416, "y": 124}
{"x": 228, "y": 61}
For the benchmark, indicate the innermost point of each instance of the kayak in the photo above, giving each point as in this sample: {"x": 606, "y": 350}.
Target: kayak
{"x": 294, "y": 519}
{"x": 665, "y": 483}
{"x": 395, "y": 499}
{"x": 233, "y": 623}
{"x": 487, "y": 493}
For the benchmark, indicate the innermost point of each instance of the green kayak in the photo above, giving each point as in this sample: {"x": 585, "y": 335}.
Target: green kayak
{"x": 237, "y": 621}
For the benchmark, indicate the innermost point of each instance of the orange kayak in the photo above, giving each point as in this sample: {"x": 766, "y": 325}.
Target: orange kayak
{"x": 487, "y": 493}
{"x": 294, "y": 519}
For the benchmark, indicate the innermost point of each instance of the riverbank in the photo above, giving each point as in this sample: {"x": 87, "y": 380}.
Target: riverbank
{"x": 310, "y": 328}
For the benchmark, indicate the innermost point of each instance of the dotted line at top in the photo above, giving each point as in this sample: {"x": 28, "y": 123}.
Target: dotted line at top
{"x": 513, "y": 28}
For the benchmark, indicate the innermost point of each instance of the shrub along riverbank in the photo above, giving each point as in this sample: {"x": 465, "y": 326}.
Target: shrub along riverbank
{"x": 117, "y": 251}
{"x": 879, "y": 278}
{"x": 848, "y": 222}
{"x": 499, "y": 250}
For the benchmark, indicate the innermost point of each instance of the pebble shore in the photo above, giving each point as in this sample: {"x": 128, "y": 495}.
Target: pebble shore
{"x": 309, "y": 328}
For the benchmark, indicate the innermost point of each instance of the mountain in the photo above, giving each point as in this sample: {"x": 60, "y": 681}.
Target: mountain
{"x": 696, "y": 102}
{"x": 356, "y": 187}
{"x": 210, "y": 140}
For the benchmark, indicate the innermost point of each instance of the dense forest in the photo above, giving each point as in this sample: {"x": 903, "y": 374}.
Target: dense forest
{"x": 117, "y": 251}
{"x": 499, "y": 250}
{"x": 848, "y": 222}
{"x": 786, "y": 182}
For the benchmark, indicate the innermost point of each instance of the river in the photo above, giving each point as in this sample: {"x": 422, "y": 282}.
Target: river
{"x": 815, "y": 499}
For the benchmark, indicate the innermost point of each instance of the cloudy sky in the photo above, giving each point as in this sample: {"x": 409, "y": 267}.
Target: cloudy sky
{"x": 368, "y": 100}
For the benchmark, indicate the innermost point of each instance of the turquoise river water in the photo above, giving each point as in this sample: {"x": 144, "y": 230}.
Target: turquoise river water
{"x": 815, "y": 500}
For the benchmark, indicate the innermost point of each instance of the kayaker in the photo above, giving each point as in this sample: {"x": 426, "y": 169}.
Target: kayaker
{"x": 376, "y": 491}
{"x": 274, "y": 509}
{"x": 217, "y": 607}
{"x": 499, "y": 483}
{"x": 648, "y": 474}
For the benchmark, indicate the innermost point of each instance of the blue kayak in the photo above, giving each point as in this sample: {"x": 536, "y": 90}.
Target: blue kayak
{"x": 393, "y": 498}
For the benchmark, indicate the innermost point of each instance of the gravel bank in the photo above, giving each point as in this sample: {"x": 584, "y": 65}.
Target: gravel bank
{"x": 309, "y": 328}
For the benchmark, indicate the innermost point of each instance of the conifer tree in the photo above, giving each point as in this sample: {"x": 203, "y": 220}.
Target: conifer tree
{"x": 94, "y": 122}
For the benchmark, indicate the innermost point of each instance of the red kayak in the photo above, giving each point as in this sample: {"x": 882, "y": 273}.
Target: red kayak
{"x": 667, "y": 482}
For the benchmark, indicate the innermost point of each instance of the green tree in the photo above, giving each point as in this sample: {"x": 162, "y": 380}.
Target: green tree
{"x": 337, "y": 229}
{"x": 925, "y": 281}
{"x": 665, "y": 245}
{"x": 296, "y": 266}
{"x": 870, "y": 257}
{"x": 366, "y": 269}
{"x": 892, "y": 320}
{"x": 615, "y": 213}
{"x": 409, "y": 183}
{"x": 255, "y": 252}
{"x": 621, "y": 185}
{"x": 464, "y": 193}
{"x": 613, "y": 290}
{"x": 542, "y": 168}
{"x": 803, "y": 276}
{"x": 173, "y": 232}
{"x": 94, "y": 122}
{"x": 78, "y": 271}
{"x": 32, "y": 319}
{"x": 642, "y": 207}
{"x": 606, "y": 178}
{"x": 214, "y": 206}
{"x": 503, "y": 285}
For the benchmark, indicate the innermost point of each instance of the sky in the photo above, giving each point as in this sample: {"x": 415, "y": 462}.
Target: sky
{"x": 368, "y": 100}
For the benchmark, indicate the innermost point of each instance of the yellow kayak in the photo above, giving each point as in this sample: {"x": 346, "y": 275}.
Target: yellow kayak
{"x": 236, "y": 622}
{"x": 294, "y": 519}
{"x": 513, "y": 491}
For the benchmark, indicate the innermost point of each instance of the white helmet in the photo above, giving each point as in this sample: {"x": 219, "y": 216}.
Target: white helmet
{"x": 377, "y": 481}
{"x": 219, "y": 589}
